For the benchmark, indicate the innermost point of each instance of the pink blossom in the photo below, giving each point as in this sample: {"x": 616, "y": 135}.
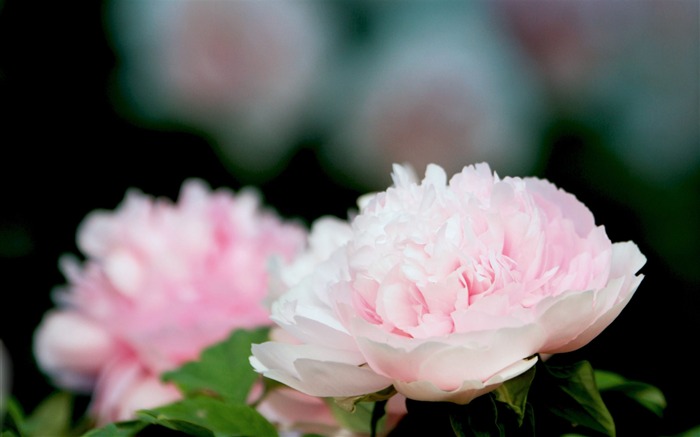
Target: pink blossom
{"x": 585, "y": 53}
{"x": 447, "y": 289}
{"x": 440, "y": 84}
{"x": 229, "y": 69}
{"x": 161, "y": 281}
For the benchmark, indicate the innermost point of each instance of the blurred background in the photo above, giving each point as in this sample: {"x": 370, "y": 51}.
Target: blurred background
{"x": 311, "y": 102}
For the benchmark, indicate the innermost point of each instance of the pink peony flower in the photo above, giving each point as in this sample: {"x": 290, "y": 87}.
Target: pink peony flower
{"x": 447, "y": 289}
{"x": 438, "y": 84}
{"x": 585, "y": 53}
{"x": 227, "y": 69}
{"x": 161, "y": 281}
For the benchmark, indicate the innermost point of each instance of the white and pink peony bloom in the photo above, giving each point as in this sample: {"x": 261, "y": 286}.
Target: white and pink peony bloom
{"x": 445, "y": 289}
{"x": 161, "y": 281}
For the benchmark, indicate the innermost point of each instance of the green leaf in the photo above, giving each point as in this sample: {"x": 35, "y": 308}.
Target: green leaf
{"x": 117, "y": 429}
{"x": 514, "y": 392}
{"x": 378, "y": 413}
{"x": 223, "y": 369}
{"x": 692, "y": 432}
{"x": 479, "y": 418}
{"x": 349, "y": 403}
{"x": 572, "y": 394}
{"x": 359, "y": 420}
{"x": 185, "y": 427}
{"x": 51, "y": 418}
{"x": 606, "y": 380}
{"x": 15, "y": 414}
{"x": 528, "y": 427}
{"x": 207, "y": 417}
{"x": 645, "y": 394}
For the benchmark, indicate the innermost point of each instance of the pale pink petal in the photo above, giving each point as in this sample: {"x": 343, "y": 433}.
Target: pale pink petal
{"x": 146, "y": 393}
{"x": 626, "y": 260}
{"x": 449, "y": 361}
{"x": 72, "y": 348}
{"x": 292, "y": 410}
{"x": 469, "y": 390}
{"x": 316, "y": 371}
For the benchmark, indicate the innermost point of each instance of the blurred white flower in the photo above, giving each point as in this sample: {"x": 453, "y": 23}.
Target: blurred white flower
{"x": 237, "y": 72}
{"x": 437, "y": 83}
{"x": 630, "y": 66}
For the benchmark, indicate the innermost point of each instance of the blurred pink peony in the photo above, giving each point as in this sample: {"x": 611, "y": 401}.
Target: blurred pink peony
{"x": 240, "y": 73}
{"x": 617, "y": 63}
{"x": 447, "y": 289}
{"x": 439, "y": 84}
{"x": 161, "y": 281}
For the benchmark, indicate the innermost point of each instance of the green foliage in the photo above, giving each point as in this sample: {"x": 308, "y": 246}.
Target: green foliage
{"x": 514, "y": 392}
{"x": 548, "y": 399}
{"x": 366, "y": 417}
{"x": 15, "y": 414}
{"x": 215, "y": 390}
{"x": 645, "y": 394}
{"x": 692, "y": 432}
{"x": 480, "y": 418}
{"x": 223, "y": 369}
{"x": 363, "y": 414}
{"x": 120, "y": 429}
{"x": 209, "y": 417}
{"x": 378, "y": 413}
{"x": 349, "y": 403}
{"x": 571, "y": 393}
{"x": 52, "y": 417}
{"x": 357, "y": 420}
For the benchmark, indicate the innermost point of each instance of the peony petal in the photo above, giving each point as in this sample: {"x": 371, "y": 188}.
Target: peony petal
{"x": 594, "y": 310}
{"x": 307, "y": 327}
{"x": 72, "y": 348}
{"x": 293, "y": 410}
{"x": 564, "y": 317}
{"x": 450, "y": 360}
{"x": 316, "y": 371}
{"x": 554, "y": 200}
{"x": 147, "y": 392}
{"x": 469, "y": 390}
{"x": 628, "y": 258}
{"x": 403, "y": 175}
